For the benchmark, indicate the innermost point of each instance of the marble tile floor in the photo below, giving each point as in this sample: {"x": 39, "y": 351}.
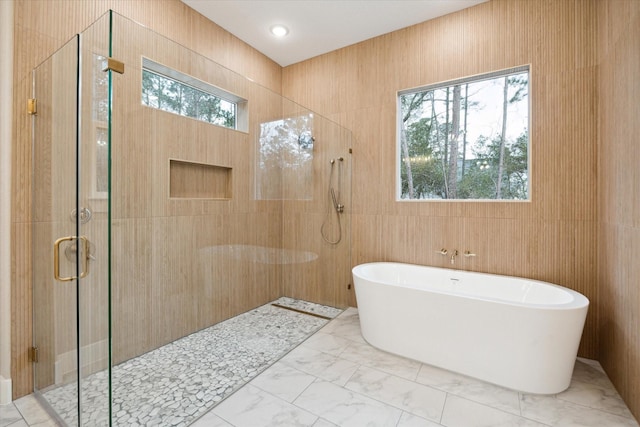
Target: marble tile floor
{"x": 335, "y": 378}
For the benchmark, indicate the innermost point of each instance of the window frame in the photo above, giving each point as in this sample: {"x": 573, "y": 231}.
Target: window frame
{"x": 449, "y": 83}
{"x": 241, "y": 122}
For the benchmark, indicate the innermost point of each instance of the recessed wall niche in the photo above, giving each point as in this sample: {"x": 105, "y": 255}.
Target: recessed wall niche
{"x": 191, "y": 180}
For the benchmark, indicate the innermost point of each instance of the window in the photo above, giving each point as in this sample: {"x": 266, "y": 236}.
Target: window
{"x": 285, "y": 157}
{"x": 466, "y": 139}
{"x": 172, "y": 91}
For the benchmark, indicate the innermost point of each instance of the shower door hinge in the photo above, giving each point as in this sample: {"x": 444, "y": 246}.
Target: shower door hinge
{"x": 33, "y": 354}
{"x": 32, "y": 106}
{"x": 114, "y": 65}
{"x": 350, "y": 151}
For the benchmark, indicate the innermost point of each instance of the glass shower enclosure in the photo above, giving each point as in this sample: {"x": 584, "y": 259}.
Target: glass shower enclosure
{"x": 151, "y": 224}
{"x": 70, "y": 228}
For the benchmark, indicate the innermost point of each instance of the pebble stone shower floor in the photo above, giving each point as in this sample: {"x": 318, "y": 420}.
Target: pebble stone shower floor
{"x": 179, "y": 382}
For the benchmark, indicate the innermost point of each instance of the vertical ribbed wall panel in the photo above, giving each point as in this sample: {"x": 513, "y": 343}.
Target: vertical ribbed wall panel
{"x": 552, "y": 237}
{"x": 143, "y": 214}
{"x": 619, "y": 196}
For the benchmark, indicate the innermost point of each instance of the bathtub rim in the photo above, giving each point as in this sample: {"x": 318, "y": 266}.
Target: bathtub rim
{"x": 578, "y": 301}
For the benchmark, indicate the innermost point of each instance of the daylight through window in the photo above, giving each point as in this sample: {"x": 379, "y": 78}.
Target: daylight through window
{"x": 466, "y": 139}
{"x": 175, "y": 92}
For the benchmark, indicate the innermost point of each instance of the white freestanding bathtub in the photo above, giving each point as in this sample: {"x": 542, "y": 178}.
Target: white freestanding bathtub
{"x": 517, "y": 333}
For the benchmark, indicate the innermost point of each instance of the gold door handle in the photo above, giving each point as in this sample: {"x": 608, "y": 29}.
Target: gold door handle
{"x": 56, "y": 258}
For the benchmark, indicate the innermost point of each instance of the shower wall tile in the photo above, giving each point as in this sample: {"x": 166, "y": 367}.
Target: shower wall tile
{"x": 43, "y": 290}
{"x": 131, "y": 287}
{"x": 195, "y": 280}
{"x": 21, "y": 319}
{"x": 199, "y": 270}
{"x": 133, "y": 181}
{"x": 149, "y": 283}
{"x": 241, "y": 160}
{"x": 315, "y": 270}
{"x": 21, "y": 153}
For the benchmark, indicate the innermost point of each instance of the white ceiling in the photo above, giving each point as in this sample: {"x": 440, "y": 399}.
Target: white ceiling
{"x": 318, "y": 26}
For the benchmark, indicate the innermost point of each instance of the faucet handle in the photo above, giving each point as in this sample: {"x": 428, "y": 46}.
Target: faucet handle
{"x": 468, "y": 254}
{"x": 442, "y": 251}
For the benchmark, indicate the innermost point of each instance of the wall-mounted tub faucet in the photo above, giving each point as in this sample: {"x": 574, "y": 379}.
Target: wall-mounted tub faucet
{"x": 453, "y": 256}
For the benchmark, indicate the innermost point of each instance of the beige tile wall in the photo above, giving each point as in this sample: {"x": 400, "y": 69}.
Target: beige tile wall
{"x": 619, "y": 196}
{"x": 553, "y": 236}
{"x": 326, "y": 279}
{"x": 179, "y": 263}
{"x": 164, "y": 237}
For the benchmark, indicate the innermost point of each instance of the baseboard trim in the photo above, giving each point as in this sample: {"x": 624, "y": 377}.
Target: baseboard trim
{"x": 5, "y": 390}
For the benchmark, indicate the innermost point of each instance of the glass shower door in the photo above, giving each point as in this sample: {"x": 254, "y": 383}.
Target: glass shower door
{"x": 70, "y": 230}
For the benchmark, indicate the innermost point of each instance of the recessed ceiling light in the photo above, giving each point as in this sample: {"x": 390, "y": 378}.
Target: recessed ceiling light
{"x": 279, "y": 30}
